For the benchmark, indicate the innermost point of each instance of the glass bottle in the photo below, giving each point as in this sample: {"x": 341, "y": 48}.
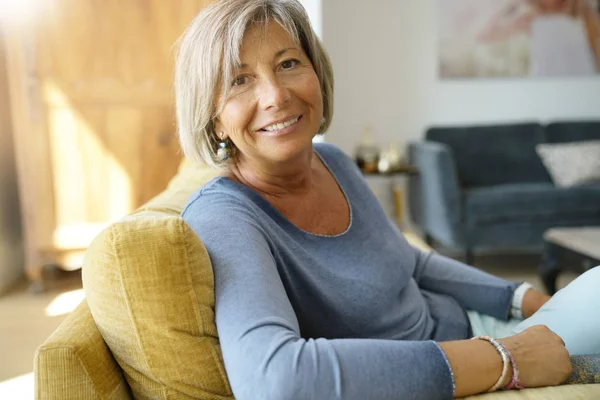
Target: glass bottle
{"x": 367, "y": 152}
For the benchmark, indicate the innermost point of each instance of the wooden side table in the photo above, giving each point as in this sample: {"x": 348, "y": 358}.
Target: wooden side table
{"x": 574, "y": 249}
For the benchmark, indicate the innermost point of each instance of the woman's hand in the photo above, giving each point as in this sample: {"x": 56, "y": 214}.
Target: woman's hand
{"x": 540, "y": 355}
{"x": 532, "y": 301}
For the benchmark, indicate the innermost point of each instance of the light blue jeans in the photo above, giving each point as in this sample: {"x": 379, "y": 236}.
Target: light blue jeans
{"x": 573, "y": 313}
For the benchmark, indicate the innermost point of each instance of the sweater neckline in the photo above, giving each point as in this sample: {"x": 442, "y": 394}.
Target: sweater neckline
{"x": 283, "y": 219}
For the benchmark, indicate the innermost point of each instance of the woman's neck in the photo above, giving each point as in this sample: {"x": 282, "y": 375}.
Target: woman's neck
{"x": 276, "y": 180}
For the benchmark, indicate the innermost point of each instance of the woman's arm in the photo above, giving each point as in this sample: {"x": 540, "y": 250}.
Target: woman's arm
{"x": 472, "y": 288}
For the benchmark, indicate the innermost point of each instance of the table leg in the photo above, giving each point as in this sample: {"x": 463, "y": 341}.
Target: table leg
{"x": 34, "y": 274}
{"x": 549, "y": 268}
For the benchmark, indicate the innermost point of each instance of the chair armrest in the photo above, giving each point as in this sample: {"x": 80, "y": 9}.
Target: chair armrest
{"x": 435, "y": 197}
{"x": 75, "y": 363}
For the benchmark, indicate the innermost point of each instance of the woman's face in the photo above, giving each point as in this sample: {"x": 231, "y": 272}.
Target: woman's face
{"x": 274, "y": 107}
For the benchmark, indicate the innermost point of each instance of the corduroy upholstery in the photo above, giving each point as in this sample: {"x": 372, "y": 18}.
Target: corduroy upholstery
{"x": 151, "y": 295}
{"x": 148, "y": 282}
{"x": 74, "y": 363}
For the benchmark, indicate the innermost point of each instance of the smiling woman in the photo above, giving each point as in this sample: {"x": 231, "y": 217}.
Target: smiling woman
{"x": 318, "y": 295}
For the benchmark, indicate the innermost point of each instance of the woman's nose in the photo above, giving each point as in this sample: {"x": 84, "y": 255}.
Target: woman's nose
{"x": 272, "y": 93}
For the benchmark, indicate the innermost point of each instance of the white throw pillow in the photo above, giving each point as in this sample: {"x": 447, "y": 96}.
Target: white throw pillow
{"x": 572, "y": 163}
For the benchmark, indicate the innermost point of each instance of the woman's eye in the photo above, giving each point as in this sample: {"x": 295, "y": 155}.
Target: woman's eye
{"x": 288, "y": 64}
{"x": 239, "y": 80}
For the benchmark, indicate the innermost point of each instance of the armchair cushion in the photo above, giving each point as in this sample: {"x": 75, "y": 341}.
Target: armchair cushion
{"x": 149, "y": 286}
{"x": 583, "y": 392}
{"x": 66, "y": 366}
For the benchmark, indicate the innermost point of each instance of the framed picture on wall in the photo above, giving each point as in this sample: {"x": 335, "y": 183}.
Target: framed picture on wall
{"x": 518, "y": 38}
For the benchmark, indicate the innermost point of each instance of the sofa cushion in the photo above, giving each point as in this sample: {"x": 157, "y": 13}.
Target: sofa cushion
{"x": 494, "y": 155}
{"x": 572, "y": 163}
{"x": 560, "y": 132}
{"x": 533, "y": 202}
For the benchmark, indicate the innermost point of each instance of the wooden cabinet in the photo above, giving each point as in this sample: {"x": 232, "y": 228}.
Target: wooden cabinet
{"x": 92, "y": 111}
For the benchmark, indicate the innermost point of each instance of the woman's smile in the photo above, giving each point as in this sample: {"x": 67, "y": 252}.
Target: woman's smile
{"x": 281, "y": 128}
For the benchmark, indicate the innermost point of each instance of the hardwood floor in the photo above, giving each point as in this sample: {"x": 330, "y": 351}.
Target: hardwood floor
{"x": 26, "y": 320}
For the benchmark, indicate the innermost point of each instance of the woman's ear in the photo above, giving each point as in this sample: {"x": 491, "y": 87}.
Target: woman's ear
{"x": 219, "y": 129}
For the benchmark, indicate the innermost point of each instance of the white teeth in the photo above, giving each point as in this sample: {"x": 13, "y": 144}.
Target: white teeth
{"x": 277, "y": 127}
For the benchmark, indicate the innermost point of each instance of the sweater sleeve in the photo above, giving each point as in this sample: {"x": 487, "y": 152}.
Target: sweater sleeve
{"x": 472, "y": 288}
{"x": 264, "y": 353}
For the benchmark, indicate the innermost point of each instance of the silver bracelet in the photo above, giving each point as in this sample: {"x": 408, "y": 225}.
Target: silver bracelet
{"x": 504, "y": 353}
{"x": 516, "y": 307}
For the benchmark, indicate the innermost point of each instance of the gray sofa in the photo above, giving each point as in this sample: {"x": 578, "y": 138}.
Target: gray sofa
{"x": 485, "y": 187}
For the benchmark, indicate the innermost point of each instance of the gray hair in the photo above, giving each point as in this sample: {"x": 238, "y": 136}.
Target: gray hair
{"x": 208, "y": 54}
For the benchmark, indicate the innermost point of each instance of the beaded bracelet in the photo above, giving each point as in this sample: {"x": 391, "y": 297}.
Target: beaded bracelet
{"x": 514, "y": 382}
{"x": 507, "y": 359}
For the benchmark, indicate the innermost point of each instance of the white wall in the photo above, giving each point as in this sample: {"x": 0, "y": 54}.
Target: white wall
{"x": 314, "y": 10}
{"x": 384, "y": 58}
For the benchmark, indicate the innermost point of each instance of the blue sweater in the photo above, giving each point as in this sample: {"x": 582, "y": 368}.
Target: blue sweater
{"x": 351, "y": 316}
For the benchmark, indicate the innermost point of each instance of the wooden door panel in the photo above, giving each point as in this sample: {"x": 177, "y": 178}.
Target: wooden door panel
{"x": 107, "y": 67}
{"x": 112, "y": 42}
{"x": 159, "y": 148}
{"x": 92, "y": 106}
{"x": 67, "y": 160}
{"x": 143, "y": 141}
{"x": 31, "y": 146}
{"x": 79, "y": 164}
{"x": 94, "y": 163}
{"x": 124, "y": 136}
